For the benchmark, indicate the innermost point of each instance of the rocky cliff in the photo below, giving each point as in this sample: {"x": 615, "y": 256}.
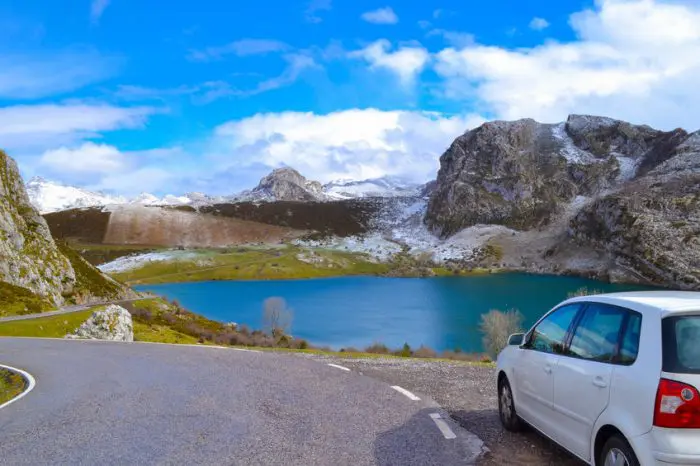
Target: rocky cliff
{"x": 29, "y": 257}
{"x": 632, "y": 192}
{"x": 284, "y": 184}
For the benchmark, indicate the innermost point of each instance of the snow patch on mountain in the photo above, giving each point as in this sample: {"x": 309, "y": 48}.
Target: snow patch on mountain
{"x": 378, "y": 187}
{"x": 48, "y": 196}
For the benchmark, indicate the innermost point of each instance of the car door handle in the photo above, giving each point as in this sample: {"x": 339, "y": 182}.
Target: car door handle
{"x": 548, "y": 369}
{"x": 599, "y": 382}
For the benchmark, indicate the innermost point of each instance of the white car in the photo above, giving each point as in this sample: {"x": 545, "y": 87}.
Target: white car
{"x": 611, "y": 378}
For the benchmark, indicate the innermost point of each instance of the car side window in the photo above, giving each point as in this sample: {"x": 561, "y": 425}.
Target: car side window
{"x": 599, "y": 334}
{"x": 549, "y": 336}
{"x": 630, "y": 340}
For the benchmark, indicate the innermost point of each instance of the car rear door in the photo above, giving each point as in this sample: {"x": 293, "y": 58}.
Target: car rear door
{"x": 536, "y": 364}
{"x": 583, "y": 376}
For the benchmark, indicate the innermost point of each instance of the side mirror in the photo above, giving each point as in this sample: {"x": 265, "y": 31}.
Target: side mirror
{"x": 516, "y": 339}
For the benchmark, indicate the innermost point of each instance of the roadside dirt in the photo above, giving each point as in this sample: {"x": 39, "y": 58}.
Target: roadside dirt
{"x": 468, "y": 393}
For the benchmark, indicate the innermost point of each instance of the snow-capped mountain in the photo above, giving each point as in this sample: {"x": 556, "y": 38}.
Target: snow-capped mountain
{"x": 386, "y": 186}
{"x": 282, "y": 184}
{"x": 49, "y": 196}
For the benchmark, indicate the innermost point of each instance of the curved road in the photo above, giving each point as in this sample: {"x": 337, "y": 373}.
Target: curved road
{"x": 128, "y": 403}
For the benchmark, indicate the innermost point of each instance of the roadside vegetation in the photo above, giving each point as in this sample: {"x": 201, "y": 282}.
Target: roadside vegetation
{"x": 496, "y": 326}
{"x": 12, "y": 384}
{"x": 89, "y": 282}
{"x": 57, "y": 326}
{"x": 15, "y": 300}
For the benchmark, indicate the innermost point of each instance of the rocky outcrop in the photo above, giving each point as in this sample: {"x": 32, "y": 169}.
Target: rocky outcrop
{"x": 651, "y": 226}
{"x": 284, "y": 184}
{"x": 521, "y": 174}
{"x": 632, "y": 193}
{"x": 29, "y": 257}
{"x": 111, "y": 323}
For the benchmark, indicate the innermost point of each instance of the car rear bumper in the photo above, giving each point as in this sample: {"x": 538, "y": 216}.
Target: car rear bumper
{"x": 674, "y": 458}
{"x": 668, "y": 447}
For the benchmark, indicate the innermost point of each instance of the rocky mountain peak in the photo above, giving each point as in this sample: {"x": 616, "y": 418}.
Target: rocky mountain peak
{"x": 286, "y": 184}
{"x": 521, "y": 173}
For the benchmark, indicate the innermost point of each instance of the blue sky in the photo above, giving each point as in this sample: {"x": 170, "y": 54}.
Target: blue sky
{"x": 129, "y": 96}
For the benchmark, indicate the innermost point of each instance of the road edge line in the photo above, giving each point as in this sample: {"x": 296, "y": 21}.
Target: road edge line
{"x": 27, "y": 376}
{"x": 406, "y": 393}
{"x": 342, "y": 368}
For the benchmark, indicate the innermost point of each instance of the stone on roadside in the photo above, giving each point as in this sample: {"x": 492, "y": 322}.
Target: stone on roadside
{"x": 111, "y": 323}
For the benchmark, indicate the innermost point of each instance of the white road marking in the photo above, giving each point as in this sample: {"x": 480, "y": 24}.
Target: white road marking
{"x": 403, "y": 391}
{"x": 339, "y": 367}
{"x": 28, "y": 377}
{"x": 442, "y": 425}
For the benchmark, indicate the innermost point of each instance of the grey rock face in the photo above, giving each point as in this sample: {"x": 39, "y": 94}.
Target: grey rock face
{"x": 285, "y": 184}
{"x": 651, "y": 227}
{"x": 112, "y": 323}
{"x": 520, "y": 174}
{"x": 28, "y": 255}
{"x": 644, "y": 185}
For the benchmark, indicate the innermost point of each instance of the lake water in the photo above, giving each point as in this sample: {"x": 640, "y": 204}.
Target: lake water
{"x": 441, "y": 313}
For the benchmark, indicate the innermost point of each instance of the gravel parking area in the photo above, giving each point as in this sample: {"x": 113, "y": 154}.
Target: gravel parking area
{"x": 468, "y": 393}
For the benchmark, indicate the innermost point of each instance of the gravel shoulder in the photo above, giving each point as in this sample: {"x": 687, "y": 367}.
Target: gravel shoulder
{"x": 468, "y": 393}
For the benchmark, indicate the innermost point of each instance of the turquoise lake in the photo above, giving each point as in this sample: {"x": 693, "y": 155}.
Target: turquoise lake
{"x": 441, "y": 313}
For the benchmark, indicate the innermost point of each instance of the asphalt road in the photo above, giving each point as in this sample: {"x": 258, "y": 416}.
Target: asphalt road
{"x": 128, "y": 403}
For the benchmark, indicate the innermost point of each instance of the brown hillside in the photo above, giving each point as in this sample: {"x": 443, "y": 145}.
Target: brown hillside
{"x": 340, "y": 218}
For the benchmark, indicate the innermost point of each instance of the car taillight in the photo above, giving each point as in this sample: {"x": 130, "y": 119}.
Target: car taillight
{"x": 677, "y": 406}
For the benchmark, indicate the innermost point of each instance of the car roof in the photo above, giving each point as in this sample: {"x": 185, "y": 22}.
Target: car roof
{"x": 663, "y": 301}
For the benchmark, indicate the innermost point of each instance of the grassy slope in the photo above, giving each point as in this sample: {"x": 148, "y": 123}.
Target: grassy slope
{"x": 88, "y": 280}
{"x": 15, "y": 300}
{"x": 250, "y": 263}
{"x": 46, "y": 327}
{"x": 11, "y": 385}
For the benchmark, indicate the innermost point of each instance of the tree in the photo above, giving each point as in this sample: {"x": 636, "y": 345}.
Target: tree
{"x": 496, "y": 326}
{"x": 277, "y": 317}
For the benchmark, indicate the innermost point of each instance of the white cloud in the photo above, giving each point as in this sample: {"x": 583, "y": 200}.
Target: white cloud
{"x": 314, "y": 6}
{"x": 539, "y": 24}
{"x": 31, "y": 127}
{"x": 240, "y": 48}
{"x": 406, "y": 62}
{"x": 353, "y": 143}
{"x": 68, "y": 118}
{"x": 89, "y": 158}
{"x": 29, "y": 77}
{"x": 384, "y": 15}
{"x": 633, "y": 59}
{"x": 97, "y": 7}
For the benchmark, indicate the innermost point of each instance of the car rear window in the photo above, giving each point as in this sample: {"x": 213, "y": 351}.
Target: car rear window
{"x": 681, "y": 344}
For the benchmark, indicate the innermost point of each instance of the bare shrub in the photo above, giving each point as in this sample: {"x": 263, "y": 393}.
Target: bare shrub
{"x": 425, "y": 259}
{"x": 583, "y": 291}
{"x": 496, "y": 326}
{"x": 425, "y": 352}
{"x": 377, "y": 348}
{"x": 350, "y": 349}
{"x": 277, "y": 317}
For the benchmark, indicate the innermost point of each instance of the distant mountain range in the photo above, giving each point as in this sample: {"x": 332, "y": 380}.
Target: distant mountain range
{"x": 282, "y": 184}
